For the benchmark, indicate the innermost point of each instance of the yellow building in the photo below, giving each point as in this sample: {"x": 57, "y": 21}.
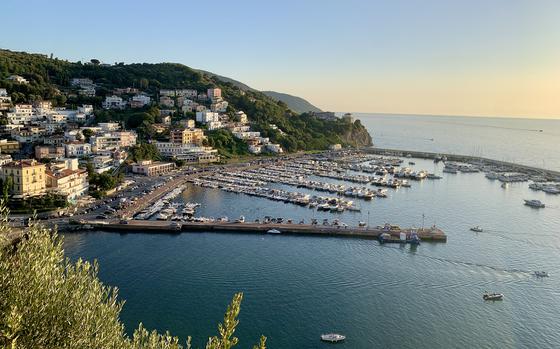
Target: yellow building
{"x": 27, "y": 177}
{"x": 9, "y": 147}
{"x": 187, "y": 136}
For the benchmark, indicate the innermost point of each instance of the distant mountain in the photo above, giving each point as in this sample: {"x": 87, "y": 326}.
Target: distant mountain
{"x": 297, "y": 104}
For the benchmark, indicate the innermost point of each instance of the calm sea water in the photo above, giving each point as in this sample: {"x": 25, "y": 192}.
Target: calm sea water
{"x": 508, "y": 139}
{"x": 297, "y": 287}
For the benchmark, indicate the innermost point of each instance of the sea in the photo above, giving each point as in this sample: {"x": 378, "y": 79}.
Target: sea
{"x": 380, "y": 296}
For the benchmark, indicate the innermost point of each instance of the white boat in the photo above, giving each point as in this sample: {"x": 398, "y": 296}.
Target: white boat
{"x": 241, "y": 219}
{"x": 477, "y": 229}
{"x": 534, "y": 203}
{"x": 332, "y": 337}
{"x": 274, "y": 231}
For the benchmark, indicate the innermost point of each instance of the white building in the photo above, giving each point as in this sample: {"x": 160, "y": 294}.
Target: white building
{"x": 242, "y": 117}
{"x": 206, "y": 116}
{"x": 86, "y": 109}
{"x": 77, "y": 149}
{"x": 275, "y": 148}
{"x": 109, "y": 126}
{"x": 245, "y": 135}
{"x": 255, "y": 149}
{"x": 3, "y": 92}
{"x": 214, "y": 125}
{"x": 113, "y": 102}
{"x": 219, "y": 106}
{"x": 20, "y": 114}
{"x": 18, "y": 79}
{"x": 56, "y": 118}
{"x": 140, "y": 101}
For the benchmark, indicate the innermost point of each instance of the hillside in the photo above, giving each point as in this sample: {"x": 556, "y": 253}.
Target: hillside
{"x": 49, "y": 79}
{"x": 297, "y": 104}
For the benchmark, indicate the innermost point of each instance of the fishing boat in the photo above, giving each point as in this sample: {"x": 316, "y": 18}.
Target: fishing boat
{"x": 534, "y": 203}
{"x": 477, "y": 229}
{"x": 332, "y": 337}
{"x": 274, "y": 231}
{"x": 492, "y": 296}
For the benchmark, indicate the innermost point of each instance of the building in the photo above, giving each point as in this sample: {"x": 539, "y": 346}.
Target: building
{"x": 214, "y": 93}
{"x": 49, "y": 152}
{"x": 3, "y": 92}
{"x": 255, "y": 148}
{"x": 149, "y": 168}
{"x": 27, "y": 178}
{"x": 242, "y": 117}
{"x": 275, "y": 148}
{"x": 214, "y": 125}
{"x": 5, "y": 159}
{"x": 20, "y": 114}
{"x": 207, "y": 116}
{"x": 336, "y": 146}
{"x": 187, "y": 136}
{"x": 167, "y": 101}
{"x": 5, "y": 101}
{"x": 86, "y": 109}
{"x": 113, "y": 102}
{"x": 188, "y": 123}
{"x": 219, "y": 106}
{"x": 348, "y": 118}
{"x": 18, "y": 79}
{"x": 139, "y": 101}
{"x": 109, "y": 126}
{"x": 8, "y": 147}
{"x": 70, "y": 183}
{"x": 77, "y": 149}
{"x": 42, "y": 107}
{"x": 112, "y": 140}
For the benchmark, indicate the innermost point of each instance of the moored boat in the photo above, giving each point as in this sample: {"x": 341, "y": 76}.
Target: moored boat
{"x": 274, "y": 231}
{"x": 492, "y": 296}
{"x": 477, "y": 229}
{"x": 332, "y": 337}
{"x": 534, "y": 203}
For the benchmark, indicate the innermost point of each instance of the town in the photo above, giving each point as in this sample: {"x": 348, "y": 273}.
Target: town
{"x": 63, "y": 153}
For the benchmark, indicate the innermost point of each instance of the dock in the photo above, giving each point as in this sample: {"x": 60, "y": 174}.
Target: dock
{"x": 432, "y": 234}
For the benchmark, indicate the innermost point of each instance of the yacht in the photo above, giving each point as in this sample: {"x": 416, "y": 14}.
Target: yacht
{"x": 534, "y": 203}
{"x": 241, "y": 219}
{"x": 492, "y": 296}
{"x": 332, "y": 337}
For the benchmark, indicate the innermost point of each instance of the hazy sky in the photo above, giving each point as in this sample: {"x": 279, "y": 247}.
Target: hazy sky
{"x": 471, "y": 57}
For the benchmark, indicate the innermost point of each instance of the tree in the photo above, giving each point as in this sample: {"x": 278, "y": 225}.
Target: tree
{"x": 95, "y": 61}
{"x": 49, "y": 301}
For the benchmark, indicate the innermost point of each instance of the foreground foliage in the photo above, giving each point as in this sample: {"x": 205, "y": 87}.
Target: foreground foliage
{"x": 47, "y": 301}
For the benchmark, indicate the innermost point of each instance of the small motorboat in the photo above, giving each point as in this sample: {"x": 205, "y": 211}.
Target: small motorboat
{"x": 534, "y": 203}
{"x": 274, "y": 231}
{"x": 540, "y": 274}
{"x": 362, "y": 224}
{"x": 492, "y": 296}
{"x": 477, "y": 229}
{"x": 332, "y": 337}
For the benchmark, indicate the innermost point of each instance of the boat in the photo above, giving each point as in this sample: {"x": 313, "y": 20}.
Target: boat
{"x": 332, "y": 337}
{"x": 241, "y": 219}
{"x": 492, "y": 296}
{"x": 411, "y": 163}
{"x": 274, "y": 231}
{"x": 432, "y": 176}
{"x": 477, "y": 229}
{"x": 362, "y": 224}
{"x": 540, "y": 274}
{"x": 534, "y": 203}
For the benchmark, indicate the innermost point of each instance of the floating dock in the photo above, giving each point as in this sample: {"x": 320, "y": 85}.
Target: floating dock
{"x": 143, "y": 226}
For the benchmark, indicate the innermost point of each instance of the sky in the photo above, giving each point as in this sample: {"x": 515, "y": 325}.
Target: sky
{"x": 439, "y": 57}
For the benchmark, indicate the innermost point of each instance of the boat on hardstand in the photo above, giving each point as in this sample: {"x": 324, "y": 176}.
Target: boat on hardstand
{"x": 332, "y": 337}
{"x": 492, "y": 296}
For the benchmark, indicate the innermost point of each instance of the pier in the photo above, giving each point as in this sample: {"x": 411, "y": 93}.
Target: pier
{"x": 432, "y": 234}
{"x": 462, "y": 158}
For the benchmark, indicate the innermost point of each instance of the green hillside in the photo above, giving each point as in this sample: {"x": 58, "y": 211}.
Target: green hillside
{"x": 49, "y": 79}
